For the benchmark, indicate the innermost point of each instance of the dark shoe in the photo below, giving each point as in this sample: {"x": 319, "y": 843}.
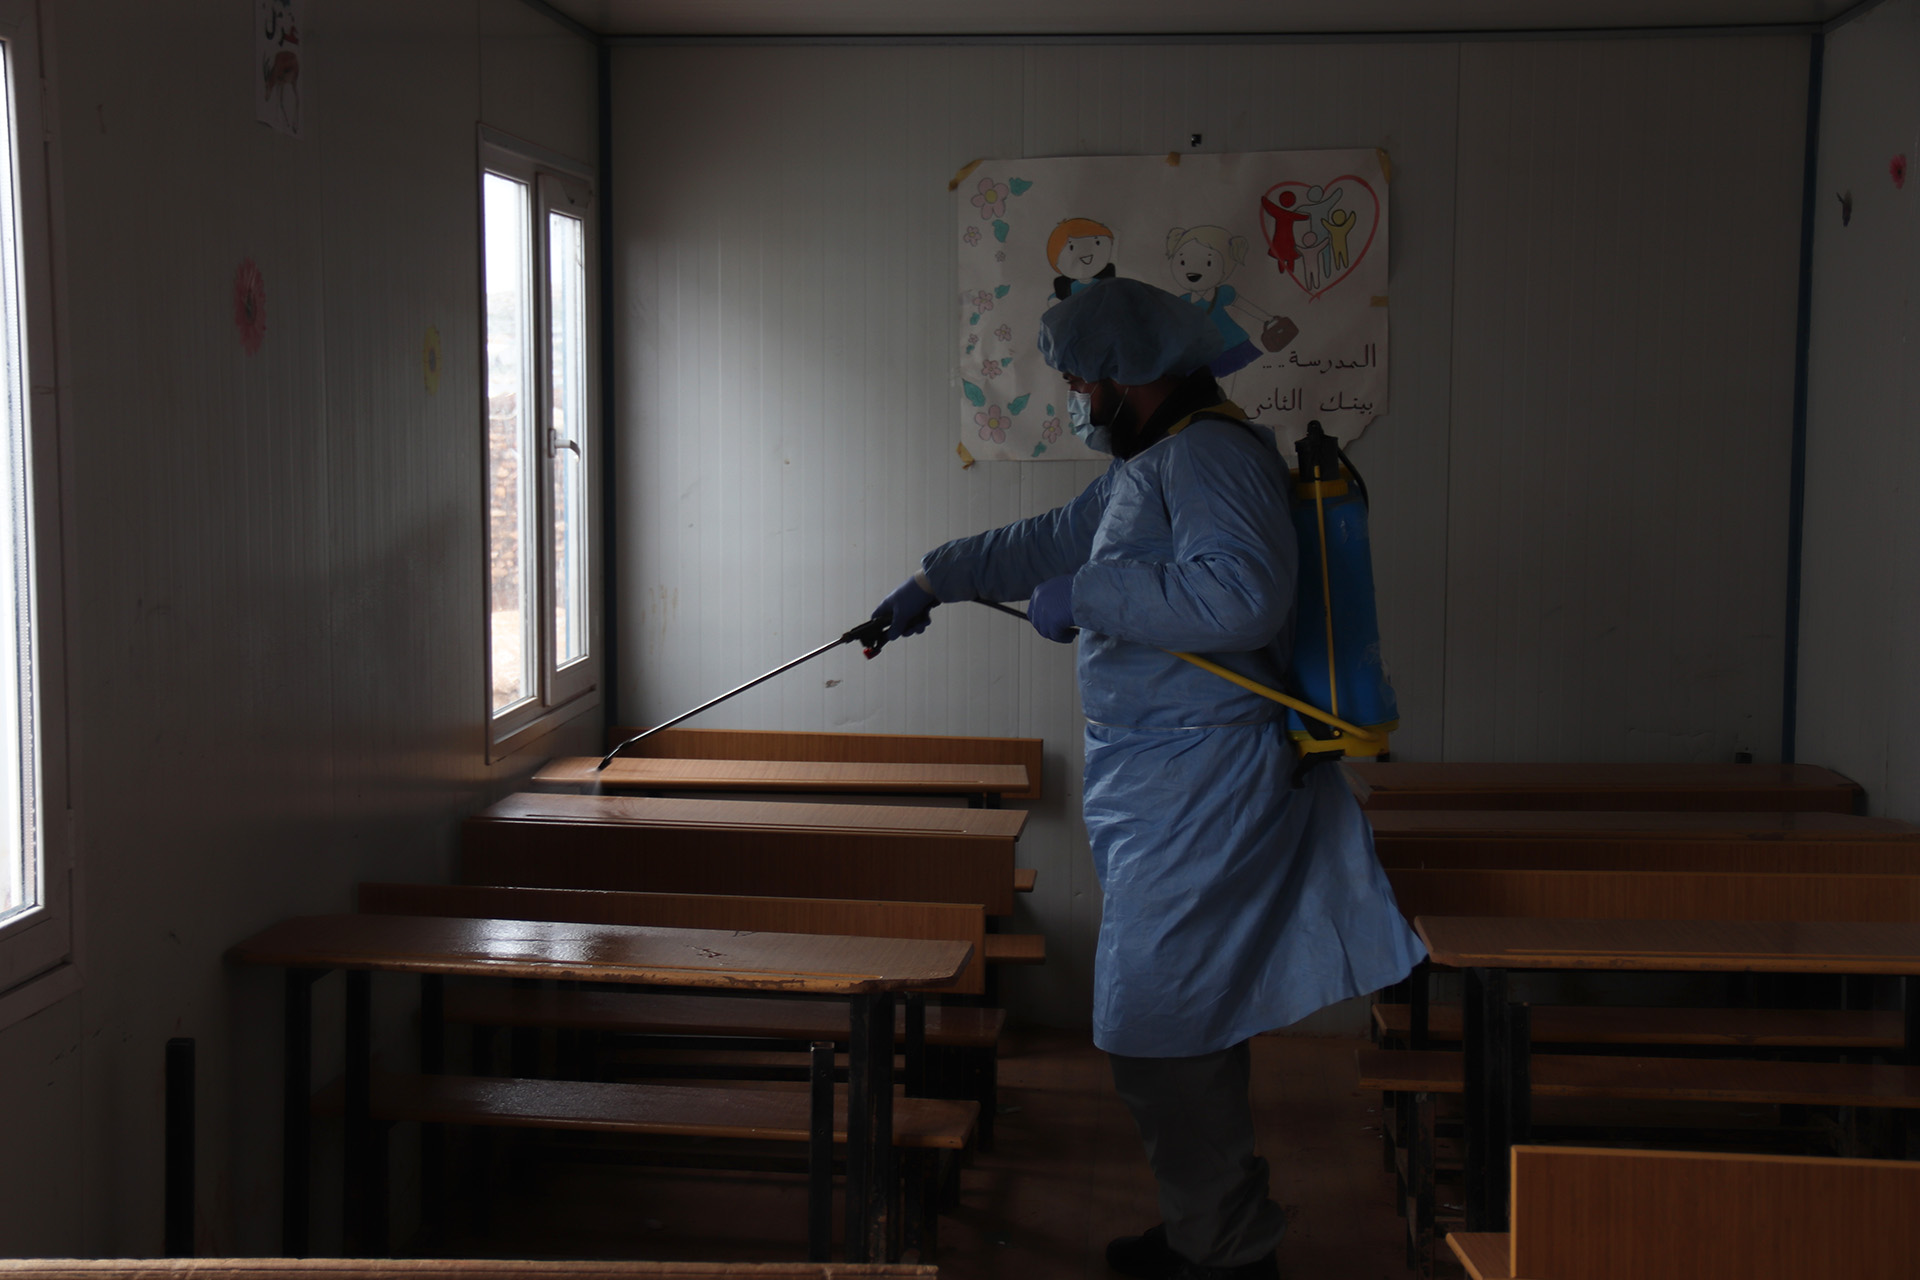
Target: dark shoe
{"x": 1259, "y": 1269}
{"x": 1146, "y": 1256}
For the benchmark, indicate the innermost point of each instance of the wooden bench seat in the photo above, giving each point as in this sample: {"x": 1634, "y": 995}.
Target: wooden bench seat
{"x": 775, "y": 849}
{"x": 929, "y": 1131}
{"x": 436, "y": 1269}
{"x": 877, "y": 748}
{"x": 1816, "y": 1084}
{"x": 1654, "y": 895}
{"x": 1612, "y": 1024}
{"x": 655, "y": 1013}
{"x": 1016, "y": 948}
{"x": 597, "y": 1106}
{"x": 1619, "y": 786}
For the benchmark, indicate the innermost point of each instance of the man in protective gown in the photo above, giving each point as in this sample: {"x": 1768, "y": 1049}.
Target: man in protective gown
{"x": 1237, "y": 898}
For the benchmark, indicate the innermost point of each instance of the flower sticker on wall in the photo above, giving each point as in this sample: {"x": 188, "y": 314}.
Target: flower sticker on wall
{"x": 993, "y": 424}
{"x": 990, "y": 198}
{"x": 990, "y": 369}
{"x": 249, "y": 305}
{"x": 430, "y": 359}
{"x": 1004, "y": 333}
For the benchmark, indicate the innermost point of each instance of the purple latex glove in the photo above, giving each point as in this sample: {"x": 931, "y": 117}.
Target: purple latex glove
{"x": 908, "y": 609}
{"x": 1050, "y": 609}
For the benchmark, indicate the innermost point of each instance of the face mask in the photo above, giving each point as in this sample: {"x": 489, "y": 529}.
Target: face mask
{"x": 1096, "y": 436}
{"x": 1080, "y": 412}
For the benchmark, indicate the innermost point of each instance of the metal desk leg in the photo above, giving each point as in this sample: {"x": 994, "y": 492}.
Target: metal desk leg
{"x": 916, "y": 1046}
{"x": 364, "y": 1193}
{"x": 433, "y": 1137}
{"x": 1419, "y": 1004}
{"x": 1489, "y": 1096}
{"x": 820, "y": 1153}
{"x": 296, "y": 1125}
{"x": 1911, "y": 1009}
{"x": 870, "y": 1127}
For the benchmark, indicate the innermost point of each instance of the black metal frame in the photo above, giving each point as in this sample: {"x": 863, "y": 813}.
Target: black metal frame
{"x": 874, "y": 1218}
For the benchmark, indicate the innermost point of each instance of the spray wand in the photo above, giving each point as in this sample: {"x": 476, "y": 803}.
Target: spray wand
{"x": 872, "y": 635}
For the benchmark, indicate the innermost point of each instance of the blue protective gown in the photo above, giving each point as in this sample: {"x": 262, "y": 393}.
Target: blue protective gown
{"x": 1234, "y": 903}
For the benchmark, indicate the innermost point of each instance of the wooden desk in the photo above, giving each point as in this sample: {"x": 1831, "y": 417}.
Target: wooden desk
{"x": 760, "y": 815}
{"x": 982, "y": 784}
{"x": 868, "y": 970}
{"x": 659, "y": 845}
{"x": 1725, "y": 787}
{"x": 432, "y": 1269}
{"x": 1574, "y": 840}
{"x": 877, "y": 748}
{"x": 1629, "y": 824}
{"x": 1485, "y": 949}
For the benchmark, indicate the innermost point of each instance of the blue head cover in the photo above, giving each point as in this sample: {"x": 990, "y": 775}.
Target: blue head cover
{"x": 1128, "y": 331}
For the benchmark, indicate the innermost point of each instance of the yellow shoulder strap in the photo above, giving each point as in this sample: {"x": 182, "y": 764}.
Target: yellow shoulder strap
{"x": 1226, "y": 408}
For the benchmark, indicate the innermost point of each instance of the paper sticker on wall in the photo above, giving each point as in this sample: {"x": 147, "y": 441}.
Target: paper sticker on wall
{"x": 1284, "y": 251}
{"x": 430, "y": 359}
{"x": 277, "y": 57}
{"x": 249, "y": 305}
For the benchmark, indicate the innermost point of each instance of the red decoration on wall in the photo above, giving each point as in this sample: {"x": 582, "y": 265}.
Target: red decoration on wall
{"x": 1897, "y": 168}
{"x": 249, "y": 305}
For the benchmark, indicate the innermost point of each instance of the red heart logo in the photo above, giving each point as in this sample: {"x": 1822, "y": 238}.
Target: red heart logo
{"x": 1308, "y": 237}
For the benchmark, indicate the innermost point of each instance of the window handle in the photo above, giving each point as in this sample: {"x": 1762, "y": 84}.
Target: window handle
{"x": 555, "y": 444}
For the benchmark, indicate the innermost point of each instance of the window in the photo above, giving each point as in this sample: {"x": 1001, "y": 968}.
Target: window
{"x": 35, "y": 914}
{"x": 538, "y": 288}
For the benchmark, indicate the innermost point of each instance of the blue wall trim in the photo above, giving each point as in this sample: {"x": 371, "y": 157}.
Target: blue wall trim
{"x": 1802, "y": 344}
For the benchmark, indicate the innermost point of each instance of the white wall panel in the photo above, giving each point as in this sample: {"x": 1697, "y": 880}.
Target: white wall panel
{"x": 1576, "y": 266}
{"x": 1860, "y": 600}
{"x": 276, "y": 636}
{"x": 784, "y": 253}
{"x": 1623, "y": 337}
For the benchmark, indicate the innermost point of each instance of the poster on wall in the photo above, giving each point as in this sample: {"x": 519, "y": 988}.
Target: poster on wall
{"x": 276, "y": 77}
{"x": 1285, "y": 251}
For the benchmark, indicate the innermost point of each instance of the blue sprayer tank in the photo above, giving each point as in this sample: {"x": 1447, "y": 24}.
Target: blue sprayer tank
{"x": 1329, "y": 495}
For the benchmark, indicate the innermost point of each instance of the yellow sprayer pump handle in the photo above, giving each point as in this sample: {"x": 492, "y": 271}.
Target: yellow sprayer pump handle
{"x": 1305, "y": 709}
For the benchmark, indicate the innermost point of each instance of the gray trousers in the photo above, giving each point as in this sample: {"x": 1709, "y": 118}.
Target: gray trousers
{"x": 1196, "y": 1120}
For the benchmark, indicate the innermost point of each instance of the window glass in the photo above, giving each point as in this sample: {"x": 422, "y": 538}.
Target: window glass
{"x": 20, "y": 880}
{"x": 510, "y": 456}
{"x": 568, "y": 436}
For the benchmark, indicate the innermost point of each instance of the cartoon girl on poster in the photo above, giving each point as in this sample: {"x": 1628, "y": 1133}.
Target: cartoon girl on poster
{"x": 1081, "y": 250}
{"x": 1201, "y": 259}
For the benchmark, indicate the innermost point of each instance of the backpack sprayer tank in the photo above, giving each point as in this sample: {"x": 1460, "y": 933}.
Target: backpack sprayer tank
{"x": 1336, "y": 638}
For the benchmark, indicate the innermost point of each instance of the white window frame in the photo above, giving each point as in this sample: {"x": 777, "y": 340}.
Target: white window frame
{"x": 557, "y": 184}
{"x": 37, "y": 952}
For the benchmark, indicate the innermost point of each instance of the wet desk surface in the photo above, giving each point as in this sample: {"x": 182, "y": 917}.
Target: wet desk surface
{"x": 757, "y": 815}
{"x": 1711, "y": 946}
{"x": 701, "y": 958}
{"x": 629, "y": 772}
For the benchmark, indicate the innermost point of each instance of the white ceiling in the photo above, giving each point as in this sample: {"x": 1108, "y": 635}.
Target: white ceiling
{"x": 1158, "y": 17}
